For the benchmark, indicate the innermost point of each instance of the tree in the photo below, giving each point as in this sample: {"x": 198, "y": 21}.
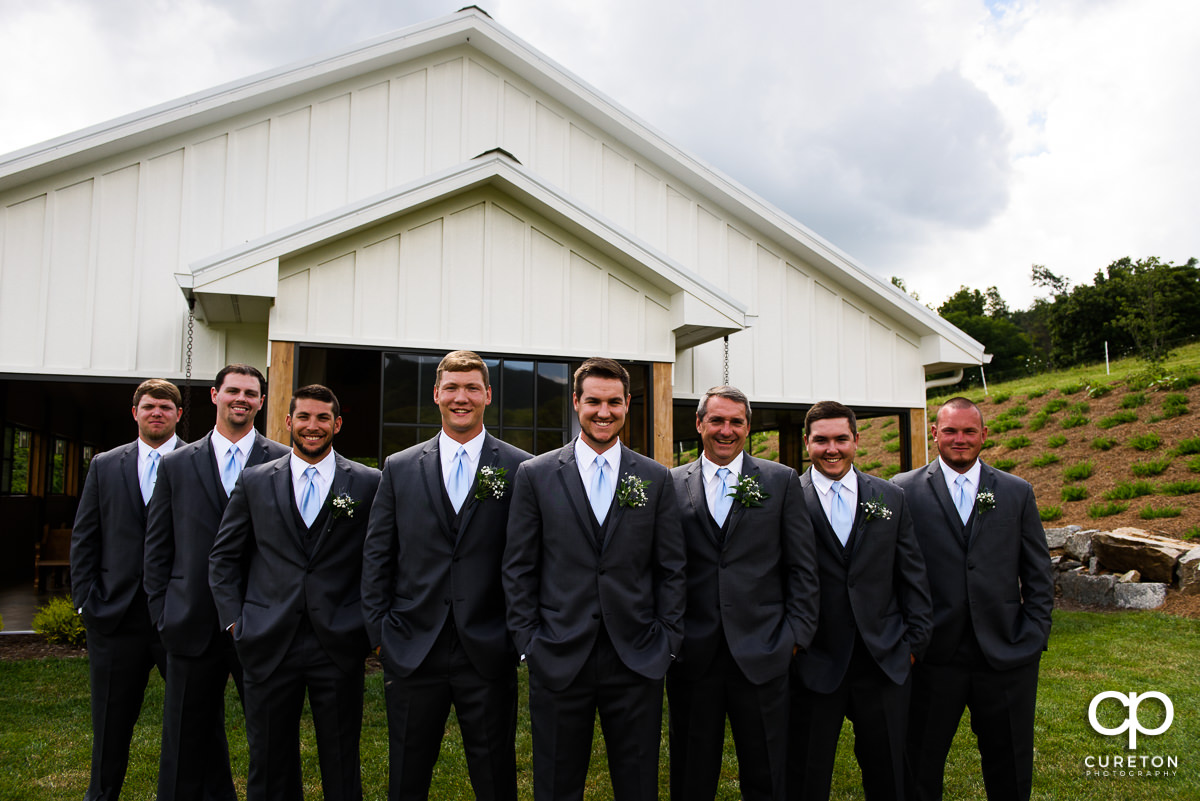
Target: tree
{"x": 984, "y": 316}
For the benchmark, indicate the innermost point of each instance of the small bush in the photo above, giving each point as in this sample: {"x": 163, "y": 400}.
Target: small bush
{"x": 1186, "y": 447}
{"x": 1005, "y": 464}
{"x": 1083, "y": 407}
{"x": 1106, "y": 509}
{"x": 1038, "y": 421}
{"x": 1156, "y": 512}
{"x": 59, "y": 623}
{"x": 1016, "y": 443}
{"x": 1037, "y": 393}
{"x": 1104, "y": 443}
{"x": 870, "y": 466}
{"x": 1074, "y": 492}
{"x": 1133, "y": 400}
{"x": 1145, "y": 442}
{"x": 1002, "y": 424}
{"x": 889, "y": 471}
{"x": 1045, "y": 460}
{"x": 1056, "y": 441}
{"x": 991, "y": 443}
{"x": 888, "y": 423}
{"x": 1174, "y": 405}
{"x": 865, "y": 425}
{"x": 1192, "y": 533}
{"x": 1048, "y": 513}
{"x": 1194, "y": 464}
{"x": 1098, "y": 391}
{"x": 888, "y": 436}
{"x": 1074, "y": 421}
{"x": 1056, "y": 405}
{"x": 1000, "y": 397}
{"x": 1113, "y": 420}
{"x": 891, "y": 447}
{"x": 1188, "y": 487}
{"x": 1072, "y": 388}
{"x": 1128, "y": 490}
{"x": 1078, "y": 472}
{"x": 1152, "y": 468}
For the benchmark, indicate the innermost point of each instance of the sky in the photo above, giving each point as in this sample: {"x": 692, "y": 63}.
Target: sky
{"x": 947, "y": 142}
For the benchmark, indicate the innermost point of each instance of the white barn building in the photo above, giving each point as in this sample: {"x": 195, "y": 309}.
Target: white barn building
{"x": 349, "y": 220}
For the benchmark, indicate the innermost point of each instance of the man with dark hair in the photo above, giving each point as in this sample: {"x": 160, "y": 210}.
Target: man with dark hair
{"x": 594, "y": 578}
{"x": 751, "y": 604}
{"x": 432, "y": 596}
{"x": 874, "y": 617}
{"x": 107, "y": 546}
{"x": 194, "y": 484}
{"x": 285, "y": 573}
{"x": 989, "y": 570}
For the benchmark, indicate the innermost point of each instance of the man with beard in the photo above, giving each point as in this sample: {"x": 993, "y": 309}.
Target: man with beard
{"x": 285, "y": 572}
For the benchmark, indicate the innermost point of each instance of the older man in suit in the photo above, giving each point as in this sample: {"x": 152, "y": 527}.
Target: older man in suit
{"x": 285, "y": 572}
{"x": 874, "y": 621}
{"x": 194, "y": 484}
{"x": 107, "y": 546}
{"x": 751, "y": 603}
{"x": 989, "y": 569}
{"x": 432, "y": 596}
{"x": 594, "y": 577}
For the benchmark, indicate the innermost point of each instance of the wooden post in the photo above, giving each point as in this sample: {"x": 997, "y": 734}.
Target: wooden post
{"x": 281, "y": 377}
{"x": 664, "y": 412}
{"x": 918, "y": 437}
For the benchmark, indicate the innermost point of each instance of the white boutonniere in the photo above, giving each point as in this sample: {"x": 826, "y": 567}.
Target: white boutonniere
{"x": 748, "y": 492}
{"x": 343, "y": 506}
{"x": 985, "y": 500}
{"x": 493, "y": 483}
{"x": 876, "y": 509}
{"x": 631, "y": 491}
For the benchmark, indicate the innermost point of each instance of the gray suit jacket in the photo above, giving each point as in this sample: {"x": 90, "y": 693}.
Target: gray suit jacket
{"x": 181, "y": 524}
{"x": 757, "y": 588}
{"x": 109, "y": 537}
{"x": 559, "y": 583}
{"x": 416, "y": 570}
{"x": 875, "y": 585}
{"x": 265, "y": 580}
{"x": 998, "y": 581}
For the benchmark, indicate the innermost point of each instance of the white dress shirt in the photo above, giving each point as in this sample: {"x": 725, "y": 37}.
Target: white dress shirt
{"x": 712, "y": 483}
{"x": 585, "y": 460}
{"x": 951, "y": 475}
{"x": 448, "y": 449}
{"x": 324, "y": 478}
{"x": 824, "y": 485}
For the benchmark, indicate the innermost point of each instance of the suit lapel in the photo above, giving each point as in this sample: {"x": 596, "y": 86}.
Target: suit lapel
{"x": 285, "y": 500}
{"x": 204, "y": 462}
{"x": 616, "y": 511}
{"x": 987, "y": 481}
{"x": 750, "y": 469}
{"x": 341, "y": 484}
{"x": 572, "y": 484}
{"x": 858, "y": 528}
{"x": 694, "y": 481}
{"x": 133, "y": 483}
{"x": 488, "y": 457}
{"x": 937, "y": 484}
{"x": 431, "y": 473}
{"x": 816, "y": 512}
{"x": 258, "y": 451}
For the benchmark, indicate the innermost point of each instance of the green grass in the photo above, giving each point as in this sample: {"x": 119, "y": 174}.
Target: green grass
{"x": 1174, "y": 404}
{"x": 892, "y": 447}
{"x": 1074, "y": 492}
{"x": 1154, "y": 467}
{"x": 888, "y": 436}
{"x": 1186, "y": 447}
{"x": 1158, "y": 512}
{"x": 1074, "y": 420}
{"x": 1038, "y": 421}
{"x": 45, "y": 734}
{"x": 1002, "y": 424}
{"x": 1018, "y": 442}
{"x": 1192, "y": 533}
{"x": 1146, "y": 442}
{"x": 1049, "y": 513}
{"x": 1114, "y": 420}
{"x": 1133, "y": 400}
{"x": 1104, "y": 443}
{"x": 1106, "y": 509}
{"x": 1045, "y": 460}
{"x": 1072, "y": 388}
{"x": 1056, "y": 441}
{"x": 1078, "y": 472}
{"x": 1033, "y": 394}
{"x": 1000, "y": 397}
{"x": 870, "y": 466}
{"x": 1128, "y": 490}
{"x": 1005, "y": 464}
{"x": 1055, "y": 405}
{"x": 1194, "y": 464}
{"x": 1189, "y": 487}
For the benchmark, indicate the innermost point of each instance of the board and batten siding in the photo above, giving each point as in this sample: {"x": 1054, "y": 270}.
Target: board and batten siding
{"x": 88, "y": 256}
{"x": 479, "y": 268}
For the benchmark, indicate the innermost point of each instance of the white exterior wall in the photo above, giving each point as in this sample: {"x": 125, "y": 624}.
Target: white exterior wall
{"x": 86, "y": 258}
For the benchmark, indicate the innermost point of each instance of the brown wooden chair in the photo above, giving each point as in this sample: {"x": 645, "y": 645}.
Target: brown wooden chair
{"x": 52, "y": 555}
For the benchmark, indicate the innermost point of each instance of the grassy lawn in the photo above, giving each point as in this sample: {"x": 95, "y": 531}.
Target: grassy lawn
{"x": 45, "y": 732}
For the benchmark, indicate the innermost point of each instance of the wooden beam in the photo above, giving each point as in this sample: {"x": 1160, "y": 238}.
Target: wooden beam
{"x": 281, "y": 378}
{"x": 664, "y": 412}
{"x": 918, "y": 437}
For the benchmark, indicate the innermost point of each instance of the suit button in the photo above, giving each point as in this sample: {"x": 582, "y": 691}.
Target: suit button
{"x": 970, "y": 565}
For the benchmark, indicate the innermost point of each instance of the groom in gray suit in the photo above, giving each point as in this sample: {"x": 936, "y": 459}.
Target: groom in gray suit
{"x": 594, "y": 577}
{"x": 432, "y": 596}
{"x": 989, "y": 570}
{"x": 107, "y": 545}
{"x": 285, "y": 572}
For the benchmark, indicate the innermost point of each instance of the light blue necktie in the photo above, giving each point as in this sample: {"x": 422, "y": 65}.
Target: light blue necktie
{"x": 150, "y": 476}
{"x": 309, "y": 505}
{"x": 233, "y": 469}
{"x": 601, "y": 495}
{"x": 723, "y": 501}
{"x": 458, "y": 479}
{"x": 963, "y": 499}
{"x": 840, "y": 516}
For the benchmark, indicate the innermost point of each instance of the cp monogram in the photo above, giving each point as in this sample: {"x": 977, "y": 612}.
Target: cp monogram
{"x": 1131, "y": 723}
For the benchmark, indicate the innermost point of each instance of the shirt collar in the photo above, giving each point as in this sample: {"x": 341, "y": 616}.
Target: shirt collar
{"x": 586, "y": 457}
{"x": 824, "y": 483}
{"x": 710, "y": 468}
{"x": 950, "y": 474}
{"x": 145, "y": 450}
{"x": 325, "y": 467}
{"x": 222, "y": 445}
{"x": 448, "y": 447}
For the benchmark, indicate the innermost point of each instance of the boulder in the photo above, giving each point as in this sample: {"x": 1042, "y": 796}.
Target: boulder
{"x": 1084, "y": 589}
{"x": 1189, "y": 572}
{"x": 1056, "y": 538}
{"x": 1133, "y": 549}
{"x": 1079, "y": 544}
{"x": 1146, "y": 595}
{"x": 1132, "y": 577}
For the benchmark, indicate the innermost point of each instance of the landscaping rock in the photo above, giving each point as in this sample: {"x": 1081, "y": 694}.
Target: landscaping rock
{"x": 1134, "y": 549}
{"x": 1084, "y": 589}
{"x": 1056, "y": 538}
{"x": 1069, "y": 564}
{"x": 1146, "y": 595}
{"x": 1079, "y": 544}
{"x": 1189, "y": 572}
{"x": 1132, "y": 577}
